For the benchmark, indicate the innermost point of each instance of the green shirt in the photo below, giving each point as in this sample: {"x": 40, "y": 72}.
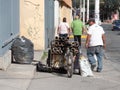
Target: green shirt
{"x": 77, "y": 27}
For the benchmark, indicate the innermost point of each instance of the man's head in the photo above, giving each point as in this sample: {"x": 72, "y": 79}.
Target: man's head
{"x": 76, "y": 17}
{"x": 91, "y": 21}
{"x": 64, "y": 19}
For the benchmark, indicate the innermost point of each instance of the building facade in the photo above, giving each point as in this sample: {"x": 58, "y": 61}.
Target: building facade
{"x": 66, "y": 10}
{"x": 39, "y": 19}
{"x": 9, "y": 29}
{"x": 34, "y": 19}
{"x": 63, "y": 8}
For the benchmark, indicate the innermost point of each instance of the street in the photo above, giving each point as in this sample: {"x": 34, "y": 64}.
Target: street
{"x": 113, "y": 45}
{"x": 108, "y": 79}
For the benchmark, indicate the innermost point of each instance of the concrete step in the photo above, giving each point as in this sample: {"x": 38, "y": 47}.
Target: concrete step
{"x": 17, "y": 77}
{"x": 22, "y": 69}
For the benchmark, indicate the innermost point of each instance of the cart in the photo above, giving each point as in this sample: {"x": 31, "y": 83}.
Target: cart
{"x": 61, "y": 55}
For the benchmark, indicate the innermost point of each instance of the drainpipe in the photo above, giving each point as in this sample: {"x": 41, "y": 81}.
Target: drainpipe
{"x": 80, "y": 8}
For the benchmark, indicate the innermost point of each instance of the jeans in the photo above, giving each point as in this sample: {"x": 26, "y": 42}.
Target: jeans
{"x": 77, "y": 38}
{"x": 98, "y": 51}
{"x": 63, "y": 35}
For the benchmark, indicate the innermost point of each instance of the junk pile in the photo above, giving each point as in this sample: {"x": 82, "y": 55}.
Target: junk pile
{"x": 60, "y": 56}
{"x": 60, "y": 46}
{"x": 22, "y": 50}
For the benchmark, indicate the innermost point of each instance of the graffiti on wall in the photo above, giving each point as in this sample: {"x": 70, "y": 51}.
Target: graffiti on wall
{"x": 33, "y": 23}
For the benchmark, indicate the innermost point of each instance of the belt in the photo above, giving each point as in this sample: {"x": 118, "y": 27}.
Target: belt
{"x": 97, "y": 46}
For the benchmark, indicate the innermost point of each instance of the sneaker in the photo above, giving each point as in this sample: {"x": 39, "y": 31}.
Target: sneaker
{"x": 99, "y": 70}
{"x": 92, "y": 67}
{"x": 76, "y": 71}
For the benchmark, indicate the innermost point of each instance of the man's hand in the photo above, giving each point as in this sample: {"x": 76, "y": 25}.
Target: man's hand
{"x": 104, "y": 46}
{"x": 104, "y": 41}
{"x": 86, "y": 45}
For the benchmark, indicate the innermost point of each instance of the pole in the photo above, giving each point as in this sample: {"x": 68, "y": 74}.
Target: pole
{"x": 56, "y": 15}
{"x": 83, "y": 11}
{"x": 80, "y": 8}
{"x": 97, "y": 6}
{"x": 88, "y": 9}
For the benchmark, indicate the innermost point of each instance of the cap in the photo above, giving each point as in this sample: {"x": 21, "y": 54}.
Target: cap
{"x": 91, "y": 20}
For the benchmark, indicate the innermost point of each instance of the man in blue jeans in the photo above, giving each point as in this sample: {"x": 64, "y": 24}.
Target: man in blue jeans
{"x": 95, "y": 43}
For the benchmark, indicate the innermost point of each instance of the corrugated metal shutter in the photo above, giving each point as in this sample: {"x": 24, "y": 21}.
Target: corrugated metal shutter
{"x": 9, "y": 23}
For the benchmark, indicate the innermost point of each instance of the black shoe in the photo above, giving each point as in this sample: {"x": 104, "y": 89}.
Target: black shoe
{"x": 92, "y": 67}
{"x": 99, "y": 70}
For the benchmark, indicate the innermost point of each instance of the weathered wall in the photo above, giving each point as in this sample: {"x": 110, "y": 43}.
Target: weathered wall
{"x": 68, "y": 2}
{"x": 32, "y": 22}
{"x": 65, "y": 10}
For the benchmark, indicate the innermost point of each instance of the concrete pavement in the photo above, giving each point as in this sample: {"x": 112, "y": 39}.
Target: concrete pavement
{"x": 108, "y": 79}
{"x": 19, "y": 76}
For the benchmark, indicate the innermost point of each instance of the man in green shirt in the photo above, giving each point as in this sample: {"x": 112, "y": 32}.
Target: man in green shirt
{"x": 77, "y": 29}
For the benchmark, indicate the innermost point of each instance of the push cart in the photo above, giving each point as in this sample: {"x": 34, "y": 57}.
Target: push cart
{"x": 61, "y": 55}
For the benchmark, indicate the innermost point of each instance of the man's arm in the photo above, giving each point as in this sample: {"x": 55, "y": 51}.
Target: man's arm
{"x": 87, "y": 40}
{"x": 84, "y": 30}
{"x": 72, "y": 26}
{"x": 69, "y": 30}
{"x": 104, "y": 40}
{"x": 58, "y": 30}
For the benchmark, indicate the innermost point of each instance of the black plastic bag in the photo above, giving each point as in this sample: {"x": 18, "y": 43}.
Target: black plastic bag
{"x": 22, "y": 50}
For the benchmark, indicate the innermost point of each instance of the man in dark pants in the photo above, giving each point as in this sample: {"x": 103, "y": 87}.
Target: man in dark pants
{"x": 94, "y": 43}
{"x": 77, "y": 29}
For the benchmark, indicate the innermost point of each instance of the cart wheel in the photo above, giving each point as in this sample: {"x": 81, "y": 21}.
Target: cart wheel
{"x": 50, "y": 70}
{"x": 49, "y": 58}
{"x": 79, "y": 72}
{"x": 37, "y": 68}
{"x": 70, "y": 66}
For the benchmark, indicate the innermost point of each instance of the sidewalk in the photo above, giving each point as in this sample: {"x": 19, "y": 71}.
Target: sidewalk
{"x": 19, "y": 76}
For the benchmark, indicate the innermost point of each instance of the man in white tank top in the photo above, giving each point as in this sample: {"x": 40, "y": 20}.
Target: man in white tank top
{"x": 63, "y": 29}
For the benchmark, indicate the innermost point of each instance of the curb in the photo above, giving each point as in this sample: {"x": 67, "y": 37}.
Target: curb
{"x": 83, "y": 36}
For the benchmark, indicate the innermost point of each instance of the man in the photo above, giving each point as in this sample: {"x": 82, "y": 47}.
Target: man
{"x": 94, "y": 43}
{"x": 63, "y": 28}
{"x": 77, "y": 29}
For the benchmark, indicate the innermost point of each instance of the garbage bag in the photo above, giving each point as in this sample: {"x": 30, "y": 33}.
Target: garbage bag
{"x": 85, "y": 67}
{"x": 22, "y": 50}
